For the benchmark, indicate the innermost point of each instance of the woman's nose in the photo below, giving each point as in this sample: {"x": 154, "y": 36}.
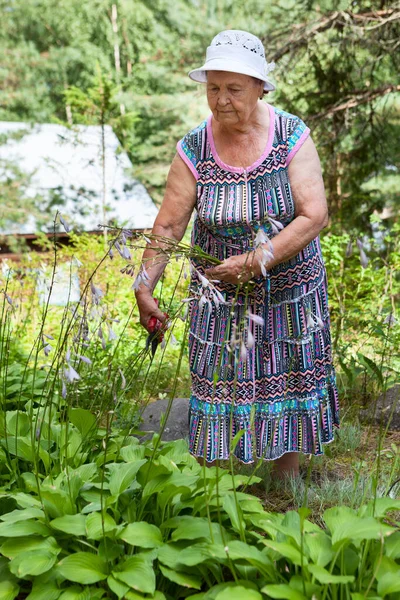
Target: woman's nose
{"x": 223, "y": 99}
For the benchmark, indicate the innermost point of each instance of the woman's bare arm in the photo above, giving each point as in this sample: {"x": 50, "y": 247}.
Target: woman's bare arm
{"x": 171, "y": 222}
{"x": 311, "y": 216}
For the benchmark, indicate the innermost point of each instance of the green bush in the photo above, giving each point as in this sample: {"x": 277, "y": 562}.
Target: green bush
{"x": 120, "y": 519}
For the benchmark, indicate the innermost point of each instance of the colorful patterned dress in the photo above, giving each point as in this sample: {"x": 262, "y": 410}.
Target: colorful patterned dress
{"x": 260, "y": 360}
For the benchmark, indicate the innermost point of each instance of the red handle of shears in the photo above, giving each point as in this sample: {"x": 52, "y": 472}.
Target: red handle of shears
{"x": 154, "y": 324}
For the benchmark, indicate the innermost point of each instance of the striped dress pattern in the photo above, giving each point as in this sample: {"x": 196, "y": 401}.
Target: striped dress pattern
{"x": 260, "y": 359}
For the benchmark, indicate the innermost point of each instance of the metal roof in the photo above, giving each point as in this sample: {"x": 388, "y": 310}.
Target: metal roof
{"x": 68, "y": 162}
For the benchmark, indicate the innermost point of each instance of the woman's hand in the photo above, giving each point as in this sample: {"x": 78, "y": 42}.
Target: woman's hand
{"x": 236, "y": 269}
{"x": 148, "y": 308}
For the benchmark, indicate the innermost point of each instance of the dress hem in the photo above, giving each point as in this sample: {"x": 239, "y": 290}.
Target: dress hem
{"x": 252, "y": 462}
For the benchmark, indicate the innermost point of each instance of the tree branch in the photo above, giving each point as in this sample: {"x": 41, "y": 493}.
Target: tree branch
{"x": 362, "y": 97}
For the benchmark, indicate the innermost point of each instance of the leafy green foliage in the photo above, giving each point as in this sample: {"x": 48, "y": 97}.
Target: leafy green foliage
{"x": 193, "y": 529}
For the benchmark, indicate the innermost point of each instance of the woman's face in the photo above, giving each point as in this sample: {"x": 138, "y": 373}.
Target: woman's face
{"x": 232, "y": 97}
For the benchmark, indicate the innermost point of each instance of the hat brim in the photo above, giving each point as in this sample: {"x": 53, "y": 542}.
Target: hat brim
{"x": 200, "y": 74}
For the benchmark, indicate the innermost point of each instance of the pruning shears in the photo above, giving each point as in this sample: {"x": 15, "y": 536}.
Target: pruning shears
{"x": 155, "y": 336}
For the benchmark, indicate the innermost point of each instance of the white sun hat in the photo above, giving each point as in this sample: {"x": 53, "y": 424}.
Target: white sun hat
{"x": 237, "y": 52}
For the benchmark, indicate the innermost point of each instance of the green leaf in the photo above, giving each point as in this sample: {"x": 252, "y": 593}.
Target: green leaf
{"x": 240, "y": 551}
{"x": 361, "y": 528}
{"x": 138, "y": 573}
{"x": 392, "y": 545}
{"x": 122, "y": 475}
{"x": 20, "y": 447}
{"x": 371, "y": 366}
{"x": 76, "y": 593}
{"x": 319, "y": 548}
{"x": 346, "y": 525}
{"x": 380, "y": 507}
{"x": 283, "y": 591}
{"x": 15, "y": 546}
{"x": 286, "y": 550}
{"x": 234, "y": 511}
{"x": 23, "y": 528}
{"x": 83, "y": 420}
{"x": 23, "y": 515}
{"x": 238, "y": 593}
{"x": 133, "y": 453}
{"x": 56, "y": 502}
{"x": 18, "y": 424}
{"x": 117, "y": 587}
{"x": 188, "y": 528}
{"x": 389, "y": 583}
{"x": 236, "y": 440}
{"x": 32, "y": 563}
{"x": 8, "y": 590}
{"x": 83, "y": 567}
{"x": 26, "y": 500}
{"x": 97, "y": 526}
{"x": 324, "y": 577}
{"x": 44, "y": 591}
{"x": 184, "y": 579}
{"x": 72, "y": 524}
{"x": 141, "y": 534}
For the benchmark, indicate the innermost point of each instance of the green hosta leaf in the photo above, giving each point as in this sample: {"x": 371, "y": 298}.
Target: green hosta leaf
{"x": 57, "y": 502}
{"x": 184, "y": 579}
{"x": 346, "y": 525}
{"x": 20, "y": 447}
{"x": 188, "y": 528}
{"x": 392, "y": 545}
{"x": 234, "y": 511}
{"x": 283, "y": 591}
{"x": 337, "y": 516}
{"x": 122, "y": 475}
{"x": 117, "y": 587}
{"x": 76, "y": 593}
{"x": 44, "y": 591}
{"x": 287, "y": 551}
{"x": 133, "y": 453}
{"x": 97, "y": 526}
{"x": 110, "y": 549}
{"x": 83, "y": 567}
{"x": 8, "y": 590}
{"x": 361, "y": 528}
{"x": 324, "y": 577}
{"x": 16, "y": 546}
{"x": 389, "y": 583}
{"x": 83, "y": 420}
{"x": 238, "y": 593}
{"x": 138, "y": 573}
{"x": 72, "y": 524}
{"x": 23, "y": 515}
{"x": 87, "y": 472}
{"x": 379, "y": 508}
{"x": 241, "y": 551}
{"x": 34, "y": 563}
{"x": 18, "y": 423}
{"x": 26, "y": 500}
{"x": 141, "y": 534}
{"x": 177, "y": 555}
{"x": 319, "y": 547}
{"x": 23, "y": 528}
{"x": 163, "y": 482}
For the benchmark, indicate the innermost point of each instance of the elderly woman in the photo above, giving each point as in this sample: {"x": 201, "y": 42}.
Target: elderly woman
{"x": 260, "y": 355}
